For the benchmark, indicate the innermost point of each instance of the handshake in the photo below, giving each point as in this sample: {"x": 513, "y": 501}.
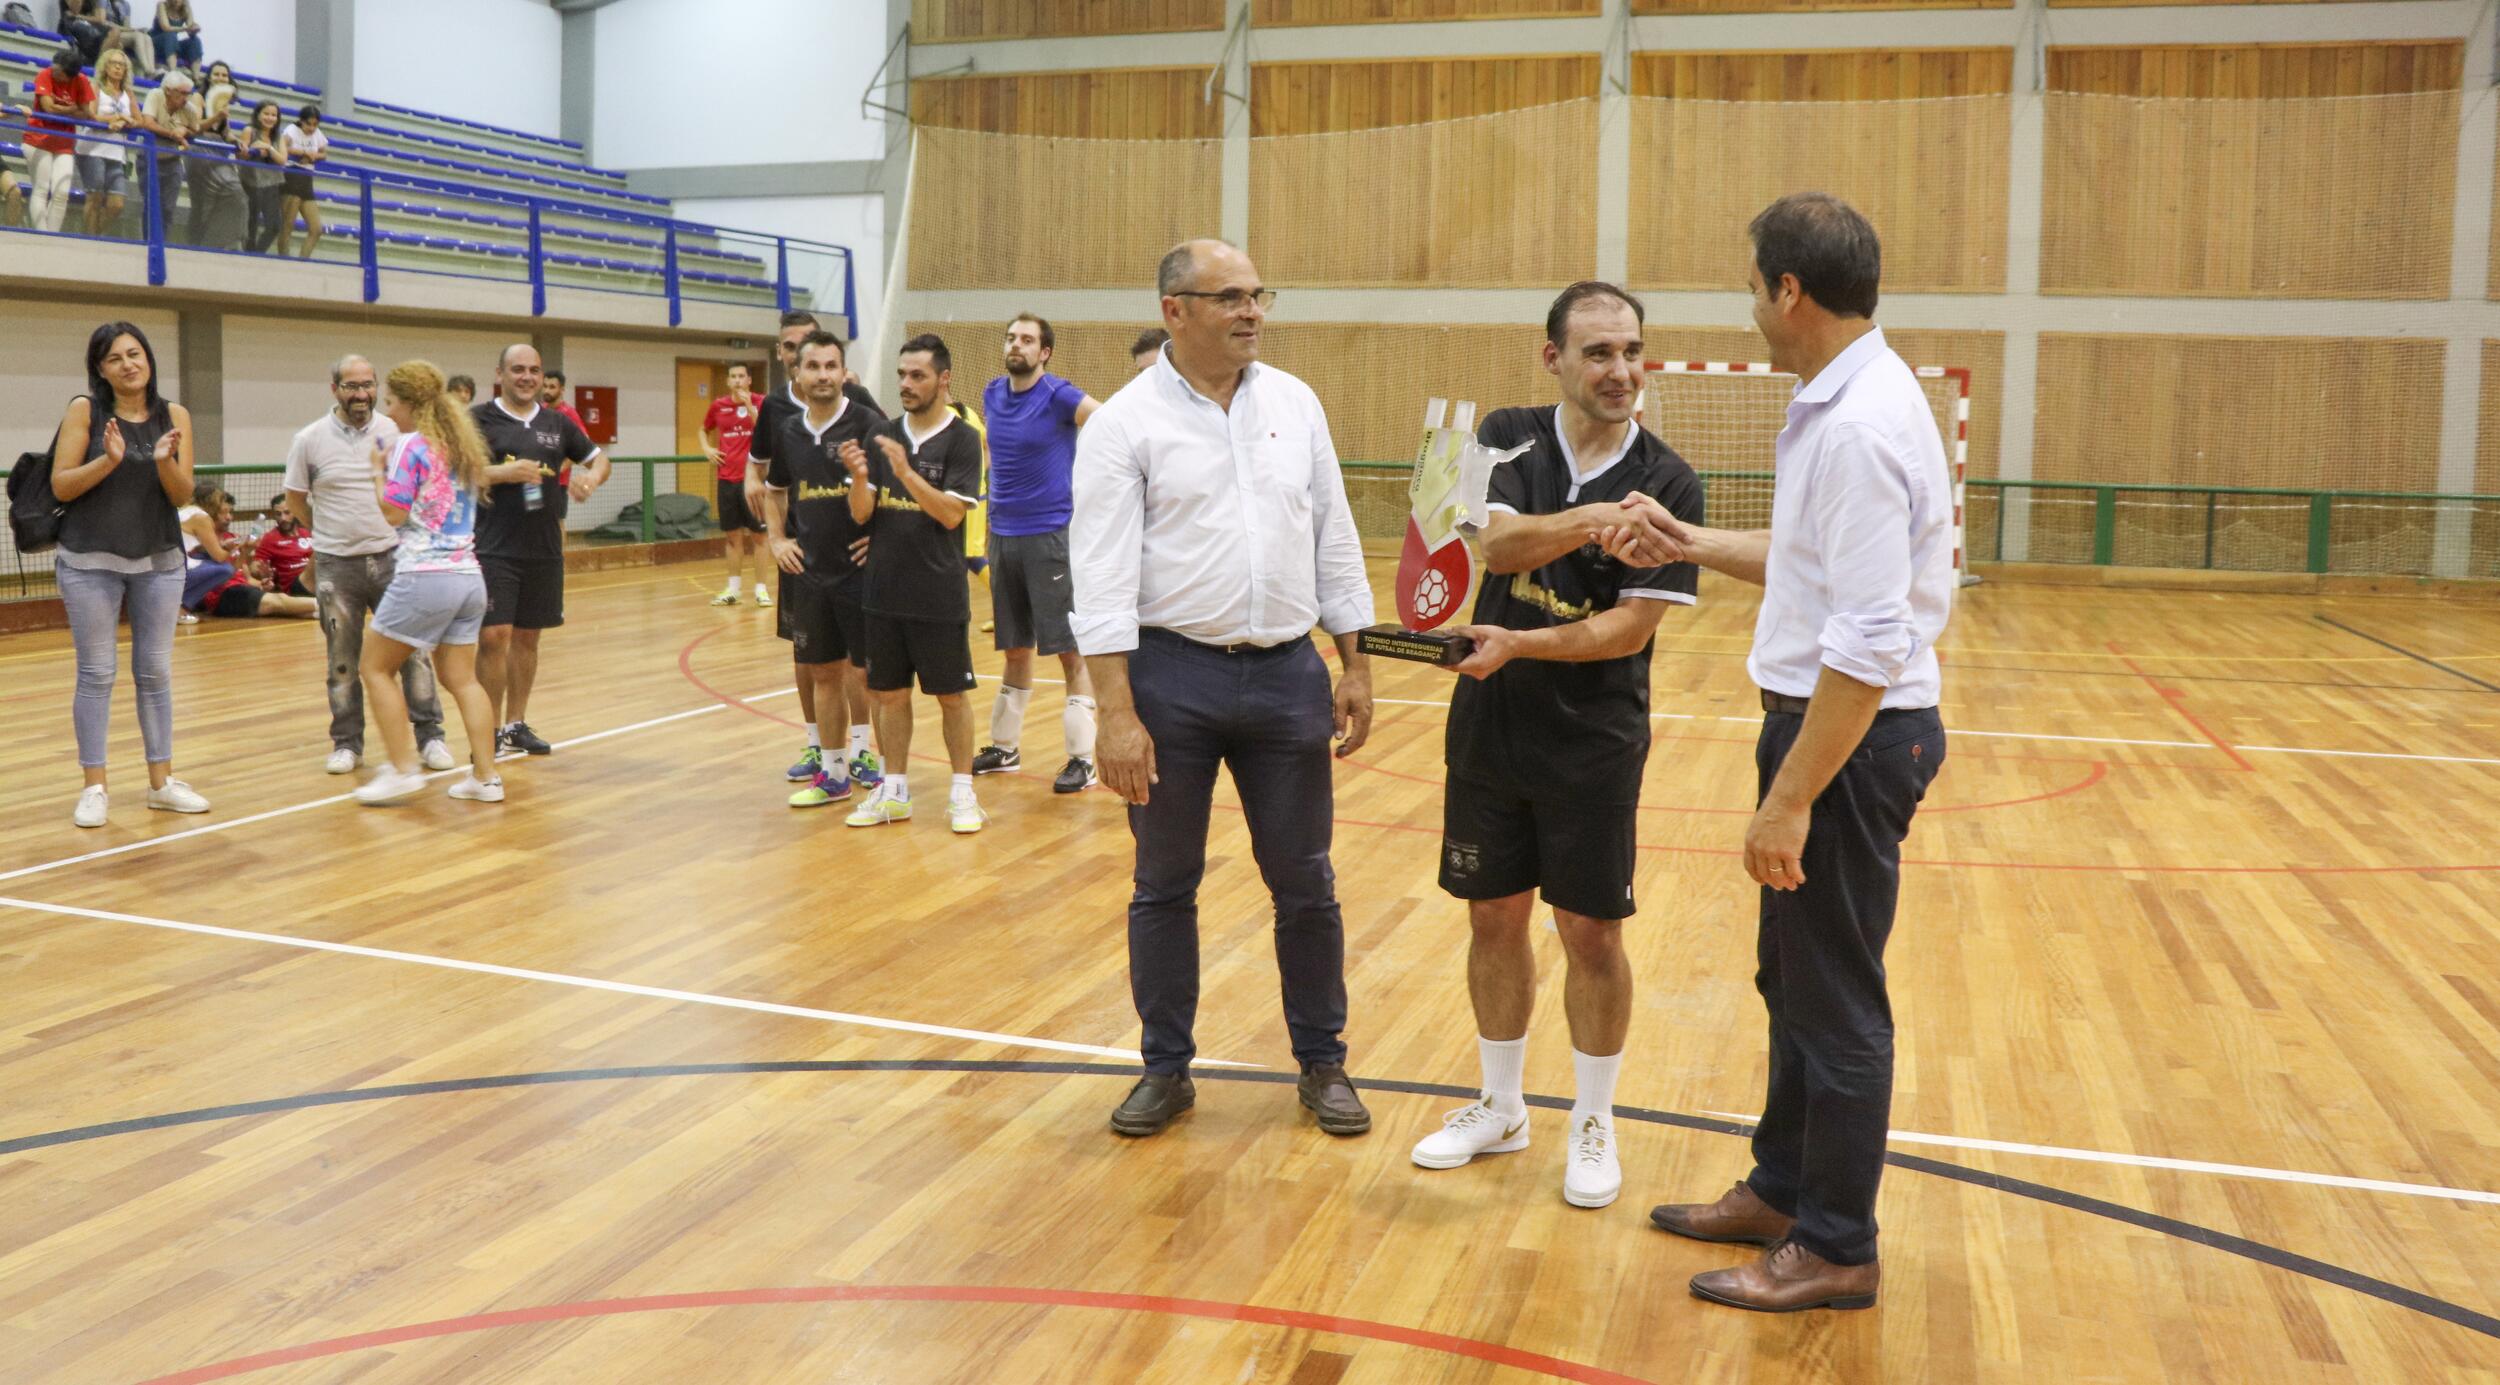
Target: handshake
{"x": 1638, "y": 532}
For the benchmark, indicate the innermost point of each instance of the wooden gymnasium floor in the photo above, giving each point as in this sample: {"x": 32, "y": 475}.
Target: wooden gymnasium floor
{"x": 645, "y": 1077}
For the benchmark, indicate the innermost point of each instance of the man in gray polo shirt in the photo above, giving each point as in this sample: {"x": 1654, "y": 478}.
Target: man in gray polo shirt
{"x": 329, "y": 486}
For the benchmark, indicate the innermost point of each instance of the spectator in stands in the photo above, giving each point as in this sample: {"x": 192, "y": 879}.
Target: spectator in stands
{"x": 551, "y": 394}
{"x": 264, "y": 174}
{"x": 216, "y": 181}
{"x": 1149, "y": 344}
{"x": 301, "y": 146}
{"x": 174, "y": 114}
{"x": 176, "y": 35}
{"x": 104, "y": 164}
{"x": 329, "y": 487}
{"x": 61, "y": 89}
{"x": 122, "y": 466}
{"x": 12, "y": 202}
{"x": 462, "y": 388}
{"x": 223, "y": 580}
{"x": 106, "y": 23}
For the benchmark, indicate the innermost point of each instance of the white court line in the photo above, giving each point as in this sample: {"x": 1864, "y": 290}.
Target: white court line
{"x": 2152, "y": 1161}
{"x": 596, "y": 984}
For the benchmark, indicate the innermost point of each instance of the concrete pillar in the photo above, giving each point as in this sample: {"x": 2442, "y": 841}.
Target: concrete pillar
{"x": 201, "y": 333}
{"x": 325, "y": 51}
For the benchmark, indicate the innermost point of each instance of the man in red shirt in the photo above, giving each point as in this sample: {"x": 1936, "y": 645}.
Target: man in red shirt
{"x": 552, "y": 396}
{"x": 60, "y": 89}
{"x": 287, "y": 550}
{"x": 728, "y": 432}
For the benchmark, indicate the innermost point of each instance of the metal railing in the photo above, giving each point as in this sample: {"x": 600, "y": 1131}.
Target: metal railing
{"x": 476, "y": 230}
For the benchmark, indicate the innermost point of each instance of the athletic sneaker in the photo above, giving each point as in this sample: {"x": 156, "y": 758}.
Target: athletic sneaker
{"x": 389, "y": 786}
{"x": 880, "y": 808}
{"x": 1076, "y": 776}
{"x": 763, "y": 597}
{"x": 91, "y": 802}
{"x": 867, "y": 769}
{"x": 437, "y": 756}
{"x": 965, "y": 816}
{"x": 519, "y": 736}
{"x": 726, "y": 598}
{"x": 476, "y": 790}
{"x": 997, "y": 759}
{"x": 185, "y": 618}
{"x": 809, "y": 766}
{"x": 1591, "y": 1176}
{"x": 174, "y": 796}
{"x": 988, "y": 625}
{"x": 826, "y": 789}
{"x": 341, "y": 761}
{"x": 1471, "y": 1130}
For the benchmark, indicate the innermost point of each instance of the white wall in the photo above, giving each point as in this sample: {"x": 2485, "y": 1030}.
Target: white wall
{"x": 278, "y": 372}
{"x": 256, "y": 36}
{"x": 644, "y": 376}
{"x": 43, "y": 359}
{"x": 855, "y": 222}
{"x": 497, "y": 61}
{"x": 674, "y": 90}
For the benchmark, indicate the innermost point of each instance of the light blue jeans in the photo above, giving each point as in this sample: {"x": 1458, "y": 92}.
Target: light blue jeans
{"x": 95, "y": 600}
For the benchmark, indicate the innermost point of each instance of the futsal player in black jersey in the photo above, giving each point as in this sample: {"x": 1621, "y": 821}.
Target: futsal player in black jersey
{"x": 1549, "y": 727}
{"x": 912, "y": 486}
{"x": 542, "y": 461}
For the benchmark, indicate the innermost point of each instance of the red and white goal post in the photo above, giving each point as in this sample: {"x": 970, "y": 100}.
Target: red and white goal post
{"x": 1723, "y": 417}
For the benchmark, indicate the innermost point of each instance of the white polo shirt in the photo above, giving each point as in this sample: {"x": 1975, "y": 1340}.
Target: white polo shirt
{"x": 333, "y": 465}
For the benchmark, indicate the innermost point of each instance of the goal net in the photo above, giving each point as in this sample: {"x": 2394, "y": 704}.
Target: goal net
{"x": 1722, "y": 417}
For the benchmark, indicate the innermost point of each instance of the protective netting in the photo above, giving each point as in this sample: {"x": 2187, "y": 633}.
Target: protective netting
{"x": 1030, "y": 211}
{"x": 2316, "y": 197}
{"x": 1929, "y": 173}
{"x": 1489, "y": 201}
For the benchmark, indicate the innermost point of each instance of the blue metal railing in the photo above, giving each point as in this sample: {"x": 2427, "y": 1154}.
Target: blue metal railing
{"x": 728, "y": 266}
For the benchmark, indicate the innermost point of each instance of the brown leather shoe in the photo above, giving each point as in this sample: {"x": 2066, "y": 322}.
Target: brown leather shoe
{"x": 1156, "y": 1100}
{"x": 1790, "y": 1278}
{"x": 1739, "y": 1217}
{"x": 1329, "y": 1093}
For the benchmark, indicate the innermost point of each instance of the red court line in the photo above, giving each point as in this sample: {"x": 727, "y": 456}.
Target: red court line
{"x": 1467, "y": 1347}
{"x": 685, "y": 665}
{"x": 2178, "y": 703}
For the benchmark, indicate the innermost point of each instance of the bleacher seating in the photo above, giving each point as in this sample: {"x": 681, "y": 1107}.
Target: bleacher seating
{"x": 453, "y": 195}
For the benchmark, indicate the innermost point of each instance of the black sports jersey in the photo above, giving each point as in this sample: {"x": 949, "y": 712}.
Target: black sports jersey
{"x": 915, "y": 564}
{"x": 778, "y": 407}
{"x": 506, "y": 526}
{"x": 1567, "y": 730}
{"x": 806, "y": 467}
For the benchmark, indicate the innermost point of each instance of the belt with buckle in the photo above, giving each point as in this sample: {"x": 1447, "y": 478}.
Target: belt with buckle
{"x": 1782, "y": 702}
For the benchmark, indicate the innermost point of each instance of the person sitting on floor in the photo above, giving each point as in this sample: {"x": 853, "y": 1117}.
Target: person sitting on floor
{"x": 211, "y": 584}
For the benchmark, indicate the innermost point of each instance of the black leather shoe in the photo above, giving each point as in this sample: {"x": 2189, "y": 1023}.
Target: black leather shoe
{"x": 1329, "y": 1093}
{"x": 1154, "y": 1102}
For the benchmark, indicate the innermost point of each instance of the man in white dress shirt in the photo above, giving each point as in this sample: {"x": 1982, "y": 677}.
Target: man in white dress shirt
{"x": 1210, "y": 533}
{"x": 1858, "y": 580}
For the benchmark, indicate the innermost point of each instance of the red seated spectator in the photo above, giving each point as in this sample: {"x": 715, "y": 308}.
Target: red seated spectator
{"x": 286, "y": 550}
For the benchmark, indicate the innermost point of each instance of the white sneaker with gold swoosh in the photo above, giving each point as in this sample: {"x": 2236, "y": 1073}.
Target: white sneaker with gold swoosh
{"x": 1471, "y": 1130}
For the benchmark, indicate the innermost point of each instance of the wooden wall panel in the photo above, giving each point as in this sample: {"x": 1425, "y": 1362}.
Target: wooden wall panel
{"x": 957, "y": 21}
{"x": 1020, "y": 211}
{"x": 1798, "y": 6}
{"x": 1891, "y": 74}
{"x": 1373, "y": 377}
{"x": 1116, "y": 103}
{"x": 1318, "y": 98}
{"x": 2372, "y": 68}
{"x": 1274, "y": 14}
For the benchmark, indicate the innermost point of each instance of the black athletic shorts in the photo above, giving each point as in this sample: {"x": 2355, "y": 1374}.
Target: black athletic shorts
{"x": 1495, "y": 843}
{"x": 939, "y": 651}
{"x": 524, "y": 593}
{"x": 822, "y": 622}
{"x": 734, "y": 514}
{"x": 1030, "y": 594}
{"x": 238, "y": 602}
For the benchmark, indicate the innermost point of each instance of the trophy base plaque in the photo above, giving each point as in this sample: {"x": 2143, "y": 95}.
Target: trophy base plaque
{"x": 1443, "y": 649}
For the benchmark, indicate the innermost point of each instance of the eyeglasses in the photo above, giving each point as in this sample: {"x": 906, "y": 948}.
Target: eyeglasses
{"x": 1234, "y": 300}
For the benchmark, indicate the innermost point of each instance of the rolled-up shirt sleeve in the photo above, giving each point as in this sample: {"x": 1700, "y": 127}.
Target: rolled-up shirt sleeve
{"x": 1340, "y": 587}
{"x": 1860, "y": 511}
{"x": 1106, "y": 538}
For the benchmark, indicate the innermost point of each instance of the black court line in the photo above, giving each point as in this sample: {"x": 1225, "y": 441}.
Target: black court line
{"x": 2263, "y": 1254}
{"x": 2417, "y": 658}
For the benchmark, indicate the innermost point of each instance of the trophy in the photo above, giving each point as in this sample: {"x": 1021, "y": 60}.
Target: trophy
{"x": 1438, "y": 567}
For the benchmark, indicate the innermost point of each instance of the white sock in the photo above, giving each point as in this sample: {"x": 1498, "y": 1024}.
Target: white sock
{"x": 1595, "y": 1078}
{"x": 1505, "y": 1074}
{"x": 959, "y": 789}
{"x": 813, "y": 742}
{"x": 733, "y": 584}
{"x": 859, "y": 740}
{"x": 897, "y": 787}
{"x": 1007, "y": 717}
{"x": 1077, "y": 724}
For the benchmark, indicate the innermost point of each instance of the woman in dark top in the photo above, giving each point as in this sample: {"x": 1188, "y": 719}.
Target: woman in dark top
{"x": 122, "y": 468}
{"x": 264, "y": 174}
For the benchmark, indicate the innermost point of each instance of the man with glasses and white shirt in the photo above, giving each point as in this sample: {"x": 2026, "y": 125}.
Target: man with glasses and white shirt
{"x": 1210, "y": 533}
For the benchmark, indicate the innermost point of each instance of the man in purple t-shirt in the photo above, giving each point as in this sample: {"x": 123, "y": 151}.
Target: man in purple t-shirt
{"x": 1032, "y": 417}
